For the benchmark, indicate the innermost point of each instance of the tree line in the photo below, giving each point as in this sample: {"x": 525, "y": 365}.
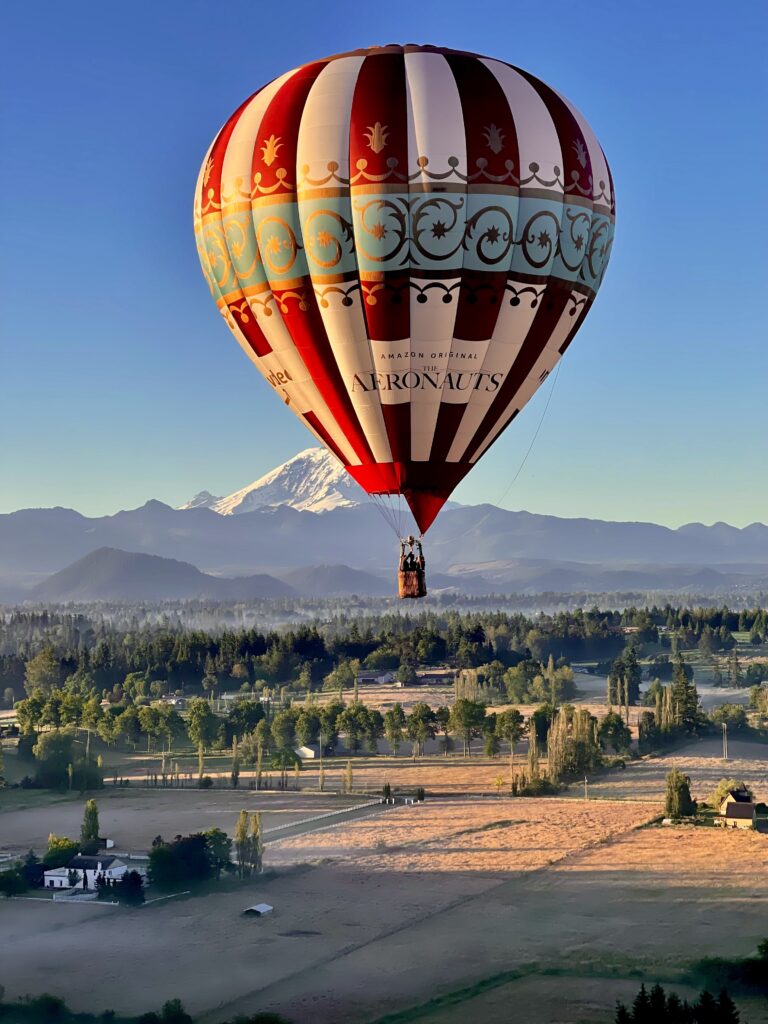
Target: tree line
{"x": 143, "y": 658}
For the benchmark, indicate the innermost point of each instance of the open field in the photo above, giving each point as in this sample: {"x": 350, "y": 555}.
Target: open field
{"x": 468, "y": 835}
{"x": 471, "y": 918}
{"x": 700, "y": 759}
{"x": 452, "y": 911}
{"x": 565, "y": 998}
{"x": 134, "y": 817}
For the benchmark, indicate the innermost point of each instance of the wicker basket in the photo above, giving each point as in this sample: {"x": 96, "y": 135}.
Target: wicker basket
{"x": 412, "y": 583}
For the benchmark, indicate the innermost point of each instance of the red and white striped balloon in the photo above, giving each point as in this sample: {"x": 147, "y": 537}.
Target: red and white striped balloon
{"x": 404, "y": 240}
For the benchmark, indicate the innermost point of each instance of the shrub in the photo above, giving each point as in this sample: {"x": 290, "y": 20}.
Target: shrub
{"x": 538, "y": 787}
{"x": 13, "y": 882}
{"x": 60, "y": 851}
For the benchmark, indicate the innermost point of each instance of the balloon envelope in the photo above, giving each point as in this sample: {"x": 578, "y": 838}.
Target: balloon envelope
{"x": 405, "y": 240}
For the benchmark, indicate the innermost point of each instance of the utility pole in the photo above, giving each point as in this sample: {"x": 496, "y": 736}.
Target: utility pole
{"x": 725, "y": 741}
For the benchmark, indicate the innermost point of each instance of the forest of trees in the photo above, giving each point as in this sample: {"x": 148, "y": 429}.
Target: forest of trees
{"x": 75, "y": 678}
{"x": 39, "y": 650}
{"x": 659, "y": 1007}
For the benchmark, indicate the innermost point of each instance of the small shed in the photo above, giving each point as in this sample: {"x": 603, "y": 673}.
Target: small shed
{"x": 308, "y": 751}
{"x": 258, "y": 910}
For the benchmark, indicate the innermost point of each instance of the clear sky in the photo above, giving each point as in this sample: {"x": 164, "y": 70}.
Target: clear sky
{"x": 119, "y": 380}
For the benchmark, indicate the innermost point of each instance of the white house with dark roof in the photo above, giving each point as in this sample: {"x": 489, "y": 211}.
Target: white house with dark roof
{"x": 110, "y": 867}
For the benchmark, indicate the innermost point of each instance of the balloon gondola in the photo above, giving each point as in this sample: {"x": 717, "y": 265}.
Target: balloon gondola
{"x": 405, "y": 240}
{"x": 411, "y": 572}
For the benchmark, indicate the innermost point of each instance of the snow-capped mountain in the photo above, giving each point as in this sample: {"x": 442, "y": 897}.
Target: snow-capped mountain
{"x": 202, "y": 500}
{"x": 312, "y": 481}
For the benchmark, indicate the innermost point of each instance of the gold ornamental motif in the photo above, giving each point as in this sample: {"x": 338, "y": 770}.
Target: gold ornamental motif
{"x": 581, "y": 153}
{"x": 377, "y": 136}
{"x": 270, "y": 148}
{"x": 494, "y": 138}
{"x": 277, "y": 243}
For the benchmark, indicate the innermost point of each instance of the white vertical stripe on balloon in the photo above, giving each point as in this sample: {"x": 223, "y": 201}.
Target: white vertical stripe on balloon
{"x": 236, "y": 184}
{"x": 323, "y": 140}
{"x": 511, "y": 330}
{"x": 436, "y": 146}
{"x": 242, "y": 341}
{"x": 538, "y": 144}
{"x": 541, "y": 369}
{"x": 537, "y": 138}
{"x": 601, "y": 193}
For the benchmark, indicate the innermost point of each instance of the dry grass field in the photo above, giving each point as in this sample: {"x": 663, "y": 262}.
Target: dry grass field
{"x": 701, "y": 760}
{"x": 132, "y": 818}
{"x": 453, "y": 911}
{"x": 491, "y": 835}
{"x": 464, "y": 901}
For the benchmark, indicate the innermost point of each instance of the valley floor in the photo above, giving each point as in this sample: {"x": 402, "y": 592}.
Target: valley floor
{"x": 463, "y": 908}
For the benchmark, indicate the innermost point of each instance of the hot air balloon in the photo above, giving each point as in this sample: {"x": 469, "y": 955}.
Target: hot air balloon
{"x": 405, "y": 240}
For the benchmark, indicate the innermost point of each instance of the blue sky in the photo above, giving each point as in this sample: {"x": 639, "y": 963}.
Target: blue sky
{"x": 119, "y": 381}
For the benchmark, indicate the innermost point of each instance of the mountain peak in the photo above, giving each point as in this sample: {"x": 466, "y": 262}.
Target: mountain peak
{"x": 203, "y": 499}
{"x": 312, "y": 481}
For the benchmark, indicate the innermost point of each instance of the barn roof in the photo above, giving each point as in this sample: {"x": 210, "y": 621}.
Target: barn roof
{"x": 741, "y": 796}
{"x": 742, "y": 811}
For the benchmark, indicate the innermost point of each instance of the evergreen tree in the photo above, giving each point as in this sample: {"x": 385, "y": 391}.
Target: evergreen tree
{"x": 684, "y": 699}
{"x": 612, "y": 732}
{"x": 242, "y": 849}
{"x": 534, "y": 771}
{"x": 706, "y": 1010}
{"x": 89, "y": 830}
{"x": 394, "y": 723}
{"x": 657, "y": 1003}
{"x": 678, "y": 802}
{"x": 728, "y": 1014}
{"x": 677, "y": 1013}
{"x": 641, "y": 1008}
{"x": 255, "y": 845}
{"x": 622, "y": 1014}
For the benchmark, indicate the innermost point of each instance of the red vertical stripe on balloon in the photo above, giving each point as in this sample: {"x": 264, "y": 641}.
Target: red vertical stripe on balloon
{"x": 211, "y": 189}
{"x": 492, "y": 161}
{"x": 275, "y": 174}
{"x": 378, "y": 162}
{"x": 577, "y": 177}
{"x": 211, "y": 202}
{"x": 577, "y": 166}
{"x": 553, "y": 302}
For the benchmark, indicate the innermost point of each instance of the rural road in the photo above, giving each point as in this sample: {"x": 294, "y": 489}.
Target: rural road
{"x": 322, "y": 821}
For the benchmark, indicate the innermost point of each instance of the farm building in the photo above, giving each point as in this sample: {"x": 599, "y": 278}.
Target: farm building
{"x": 110, "y": 867}
{"x": 379, "y": 678}
{"x": 311, "y": 751}
{"x": 259, "y": 910}
{"x": 308, "y": 751}
{"x": 739, "y": 815}
{"x": 437, "y": 676}
{"x": 735, "y": 796}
